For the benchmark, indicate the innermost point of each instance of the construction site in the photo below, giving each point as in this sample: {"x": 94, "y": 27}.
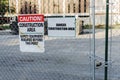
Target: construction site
{"x": 59, "y": 39}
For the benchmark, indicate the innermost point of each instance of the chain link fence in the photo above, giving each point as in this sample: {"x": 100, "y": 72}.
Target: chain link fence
{"x": 64, "y": 58}
{"x": 114, "y": 39}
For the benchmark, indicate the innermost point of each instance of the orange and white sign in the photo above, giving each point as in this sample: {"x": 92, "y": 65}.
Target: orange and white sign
{"x": 31, "y": 18}
{"x": 31, "y": 32}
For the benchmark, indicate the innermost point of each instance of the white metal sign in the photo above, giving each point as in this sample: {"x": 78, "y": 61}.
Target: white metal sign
{"x": 61, "y": 27}
{"x": 31, "y": 33}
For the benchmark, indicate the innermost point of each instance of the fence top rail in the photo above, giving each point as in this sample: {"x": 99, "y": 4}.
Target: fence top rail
{"x": 65, "y": 15}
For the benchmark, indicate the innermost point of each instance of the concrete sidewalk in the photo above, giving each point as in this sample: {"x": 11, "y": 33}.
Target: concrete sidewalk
{"x": 5, "y": 32}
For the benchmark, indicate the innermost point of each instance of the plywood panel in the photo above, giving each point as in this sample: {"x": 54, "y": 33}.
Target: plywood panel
{"x": 29, "y": 6}
{"x": 13, "y": 4}
{"x": 76, "y": 6}
{"x": 55, "y": 6}
{"x": 46, "y": 6}
{"x": 42, "y": 6}
{"x": 79, "y": 6}
{"x": 19, "y": 4}
{"x": 24, "y": 8}
{"x": 66, "y": 6}
{"x": 37, "y": 7}
{"x": 60, "y": 6}
{"x": 25, "y": 5}
{"x": 87, "y": 6}
{"x": 71, "y": 6}
{"x": 82, "y": 6}
{"x": 51, "y": 6}
{"x": 39, "y": 3}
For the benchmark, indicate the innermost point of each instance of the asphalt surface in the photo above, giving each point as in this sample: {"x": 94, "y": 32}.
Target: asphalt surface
{"x": 63, "y": 59}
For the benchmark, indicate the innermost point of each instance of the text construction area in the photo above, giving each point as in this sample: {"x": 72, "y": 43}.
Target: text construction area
{"x": 31, "y": 33}
{"x": 61, "y": 27}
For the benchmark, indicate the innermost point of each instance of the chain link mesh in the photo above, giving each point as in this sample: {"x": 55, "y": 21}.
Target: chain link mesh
{"x": 114, "y": 38}
{"x": 63, "y": 59}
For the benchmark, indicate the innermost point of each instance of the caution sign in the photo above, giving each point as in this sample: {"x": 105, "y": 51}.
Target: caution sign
{"x": 61, "y": 27}
{"x": 31, "y": 33}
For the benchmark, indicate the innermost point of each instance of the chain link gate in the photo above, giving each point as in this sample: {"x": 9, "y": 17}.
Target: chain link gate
{"x": 113, "y": 39}
{"x": 114, "y": 35}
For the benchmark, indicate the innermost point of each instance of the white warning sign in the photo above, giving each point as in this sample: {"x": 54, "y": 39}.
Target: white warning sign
{"x": 31, "y": 33}
{"x": 61, "y": 27}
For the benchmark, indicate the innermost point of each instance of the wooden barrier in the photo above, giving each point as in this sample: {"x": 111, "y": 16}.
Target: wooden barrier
{"x": 51, "y": 6}
{"x": 54, "y": 6}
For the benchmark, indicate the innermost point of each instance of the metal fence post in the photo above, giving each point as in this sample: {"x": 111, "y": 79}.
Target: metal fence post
{"x": 106, "y": 40}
